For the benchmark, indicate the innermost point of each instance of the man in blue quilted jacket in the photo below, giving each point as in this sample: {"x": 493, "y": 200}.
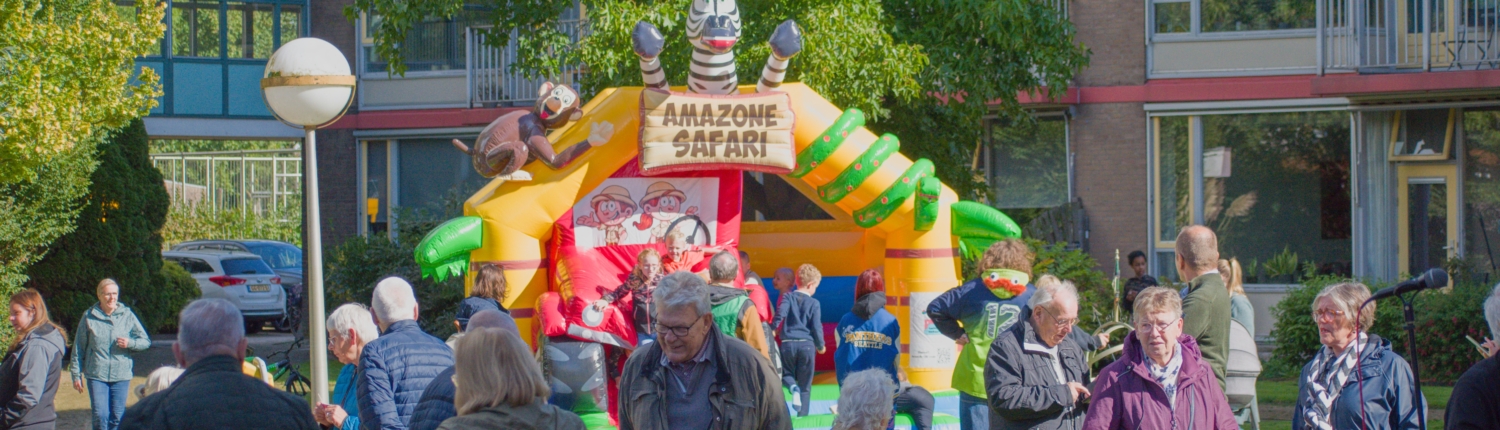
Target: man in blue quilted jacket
{"x": 395, "y": 368}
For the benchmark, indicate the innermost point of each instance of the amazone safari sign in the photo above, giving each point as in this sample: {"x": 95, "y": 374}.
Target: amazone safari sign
{"x": 681, "y": 132}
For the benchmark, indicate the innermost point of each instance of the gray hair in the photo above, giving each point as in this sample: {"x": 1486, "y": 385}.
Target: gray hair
{"x": 865, "y": 400}
{"x": 723, "y": 267}
{"x": 1348, "y": 297}
{"x": 1049, "y": 288}
{"x": 394, "y": 301}
{"x": 1492, "y": 312}
{"x": 158, "y": 380}
{"x": 352, "y": 316}
{"x": 682, "y": 289}
{"x": 209, "y": 327}
{"x": 1153, "y": 300}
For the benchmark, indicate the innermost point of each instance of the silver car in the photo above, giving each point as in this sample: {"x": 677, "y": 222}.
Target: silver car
{"x": 240, "y": 277}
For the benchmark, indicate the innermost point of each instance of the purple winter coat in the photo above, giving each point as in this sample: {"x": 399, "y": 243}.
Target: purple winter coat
{"x": 1125, "y": 395}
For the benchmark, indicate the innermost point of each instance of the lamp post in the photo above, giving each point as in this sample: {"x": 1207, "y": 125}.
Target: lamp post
{"x": 308, "y": 84}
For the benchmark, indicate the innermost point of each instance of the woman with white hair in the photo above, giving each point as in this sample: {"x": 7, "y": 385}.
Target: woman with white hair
{"x": 865, "y": 401}
{"x": 350, "y": 327}
{"x": 107, "y": 335}
{"x": 1355, "y": 381}
{"x": 499, "y": 386}
{"x": 158, "y": 380}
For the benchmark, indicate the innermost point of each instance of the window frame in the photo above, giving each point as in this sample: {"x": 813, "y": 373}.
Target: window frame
{"x": 1195, "y": 28}
{"x": 984, "y": 154}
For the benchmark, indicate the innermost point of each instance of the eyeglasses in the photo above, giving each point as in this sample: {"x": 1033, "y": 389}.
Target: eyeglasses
{"x": 676, "y": 331}
{"x": 1152, "y": 328}
{"x": 1328, "y": 316}
{"x": 1060, "y": 323}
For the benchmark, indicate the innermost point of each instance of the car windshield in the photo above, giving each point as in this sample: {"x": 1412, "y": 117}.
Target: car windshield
{"x": 245, "y": 266}
{"x": 278, "y": 256}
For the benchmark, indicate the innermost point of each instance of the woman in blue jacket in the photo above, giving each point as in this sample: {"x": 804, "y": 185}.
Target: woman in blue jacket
{"x": 869, "y": 337}
{"x": 350, "y": 327}
{"x": 1354, "y": 381}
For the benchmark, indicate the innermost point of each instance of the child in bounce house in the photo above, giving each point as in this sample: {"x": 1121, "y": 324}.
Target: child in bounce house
{"x": 639, "y": 285}
{"x": 977, "y": 311}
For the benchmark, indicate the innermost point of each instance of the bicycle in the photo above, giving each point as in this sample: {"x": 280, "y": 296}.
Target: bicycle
{"x": 295, "y": 382}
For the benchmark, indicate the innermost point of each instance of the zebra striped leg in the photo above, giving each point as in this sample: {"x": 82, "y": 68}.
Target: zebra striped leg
{"x": 652, "y": 74}
{"x": 772, "y": 74}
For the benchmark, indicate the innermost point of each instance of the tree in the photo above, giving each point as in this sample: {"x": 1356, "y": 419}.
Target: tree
{"x": 116, "y": 237}
{"x": 67, "y": 75}
{"x": 925, "y": 70}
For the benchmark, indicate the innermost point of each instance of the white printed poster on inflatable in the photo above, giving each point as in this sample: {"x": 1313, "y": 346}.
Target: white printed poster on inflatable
{"x": 930, "y": 349}
{"x": 638, "y": 211}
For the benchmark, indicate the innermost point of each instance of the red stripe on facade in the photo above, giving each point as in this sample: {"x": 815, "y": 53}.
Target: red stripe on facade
{"x": 1352, "y": 84}
{"x": 512, "y": 264}
{"x": 1184, "y": 90}
{"x": 420, "y": 118}
{"x": 921, "y": 253}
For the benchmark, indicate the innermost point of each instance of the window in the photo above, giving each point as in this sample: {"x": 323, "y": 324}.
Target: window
{"x": 251, "y": 30}
{"x": 1481, "y": 185}
{"x": 278, "y": 256}
{"x": 772, "y": 198}
{"x": 195, "y": 28}
{"x": 431, "y": 170}
{"x": 291, "y": 23}
{"x": 1274, "y": 187}
{"x": 245, "y": 266}
{"x": 1217, "y": 16}
{"x": 433, "y": 45}
{"x": 1026, "y": 162}
{"x": 377, "y": 197}
{"x": 192, "y": 265}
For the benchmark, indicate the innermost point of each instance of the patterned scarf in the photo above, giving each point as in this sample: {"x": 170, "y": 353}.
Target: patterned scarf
{"x": 1328, "y": 375}
{"x": 1167, "y": 375}
{"x": 642, "y": 287}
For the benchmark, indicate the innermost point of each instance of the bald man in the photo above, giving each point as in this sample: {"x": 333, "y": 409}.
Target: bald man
{"x": 436, "y": 403}
{"x": 1205, "y": 300}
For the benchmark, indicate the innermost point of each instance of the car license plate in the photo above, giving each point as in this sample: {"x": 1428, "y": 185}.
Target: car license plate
{"x": 260, "y": 288}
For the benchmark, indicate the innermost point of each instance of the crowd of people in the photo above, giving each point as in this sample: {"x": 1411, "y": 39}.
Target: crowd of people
{"x": 714, "y": 354}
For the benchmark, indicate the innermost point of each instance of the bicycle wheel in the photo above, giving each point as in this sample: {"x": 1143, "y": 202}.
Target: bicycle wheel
{"x": 297, "y": 384}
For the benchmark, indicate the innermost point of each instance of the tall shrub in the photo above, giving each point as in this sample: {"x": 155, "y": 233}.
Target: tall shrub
{"x": 116, "y": 237}
{"x": 1444, "y": 318}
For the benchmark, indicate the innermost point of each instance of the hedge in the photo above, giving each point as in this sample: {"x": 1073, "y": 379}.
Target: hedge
{"x": 1444, "y": 318}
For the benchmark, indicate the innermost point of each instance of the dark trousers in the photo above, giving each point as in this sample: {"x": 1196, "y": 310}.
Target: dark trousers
{"x": 917, "y": 401}
{"x": 797, "y": 361}
{"x": 973, "y": 412}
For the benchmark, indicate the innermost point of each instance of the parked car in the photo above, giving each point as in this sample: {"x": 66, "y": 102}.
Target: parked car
{"x": 284, "y": 258}
{"x": 240, "y": 277}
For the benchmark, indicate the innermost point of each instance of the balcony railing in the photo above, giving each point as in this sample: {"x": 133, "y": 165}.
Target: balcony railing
{"x": 253, "y": 181}
{"x": 1378, "y": 36}
{"x": 491, "y": 81}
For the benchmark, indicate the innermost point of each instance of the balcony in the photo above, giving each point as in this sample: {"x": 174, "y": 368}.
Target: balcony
{"x": 1393, "y": 36}
{"x": 492, "y": 83}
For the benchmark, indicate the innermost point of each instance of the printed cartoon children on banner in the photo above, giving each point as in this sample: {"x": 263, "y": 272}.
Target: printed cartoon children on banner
{"x": 638, "y": 211}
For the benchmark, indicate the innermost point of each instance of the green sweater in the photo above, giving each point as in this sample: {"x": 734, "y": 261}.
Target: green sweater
{"x": 94, "y": 349}
{"x": 1205, "y": 317}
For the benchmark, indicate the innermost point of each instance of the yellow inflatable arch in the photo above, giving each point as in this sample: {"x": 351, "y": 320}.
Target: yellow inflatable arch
{"x": 919, "y": 260}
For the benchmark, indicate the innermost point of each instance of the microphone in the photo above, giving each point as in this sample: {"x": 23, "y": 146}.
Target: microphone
{"x": 1432, "y": 278}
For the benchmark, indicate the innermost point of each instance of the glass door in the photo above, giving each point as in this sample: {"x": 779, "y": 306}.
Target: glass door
{"x": 1428, "y": 210}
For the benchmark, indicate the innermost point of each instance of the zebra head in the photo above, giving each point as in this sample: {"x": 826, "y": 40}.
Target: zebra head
{"x": 713, "y": 25}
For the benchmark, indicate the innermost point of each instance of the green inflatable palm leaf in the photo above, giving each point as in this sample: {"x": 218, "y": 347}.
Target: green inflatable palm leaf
{"x": 978, "y": 226}
{"x": 445, "y": 250}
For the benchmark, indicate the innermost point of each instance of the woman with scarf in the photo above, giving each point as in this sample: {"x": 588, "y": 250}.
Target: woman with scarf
{"x": 1355, "y": 381}
{"x": 639, "y": 286}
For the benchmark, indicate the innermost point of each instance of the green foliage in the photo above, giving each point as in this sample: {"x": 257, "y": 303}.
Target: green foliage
{"x": 1095, "y": 297}
{"x": 167, "y": 146}
{"x": 194, "y": 222}
{"x": 34, "y": 212}
{"x": 116, "y": 236}
{"x": 889, "y": 58}
{"x": 175, "y": 287}
{"x": 67, "y": 72}
{"x": 355, "y": 266}
{"x": 1443, "y": 319}
{"x": 1284, "y": 263}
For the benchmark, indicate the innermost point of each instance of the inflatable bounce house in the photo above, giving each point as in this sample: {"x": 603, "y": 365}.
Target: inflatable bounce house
{"x": 639, "y": 162}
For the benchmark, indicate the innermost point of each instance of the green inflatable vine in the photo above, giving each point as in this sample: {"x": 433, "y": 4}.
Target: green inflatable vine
{"x": 890, "y": 199}
{"x": 814, "y": 154}
{"x": 856, "y": 173}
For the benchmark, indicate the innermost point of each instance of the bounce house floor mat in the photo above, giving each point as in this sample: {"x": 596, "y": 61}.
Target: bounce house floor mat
{"x": 826, "y": 396}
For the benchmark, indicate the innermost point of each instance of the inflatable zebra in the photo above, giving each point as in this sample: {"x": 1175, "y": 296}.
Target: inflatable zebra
{"x": 713, "y": 26}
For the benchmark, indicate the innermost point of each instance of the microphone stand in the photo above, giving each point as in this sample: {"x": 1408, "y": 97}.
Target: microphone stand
{"x": 1411, "y": 349}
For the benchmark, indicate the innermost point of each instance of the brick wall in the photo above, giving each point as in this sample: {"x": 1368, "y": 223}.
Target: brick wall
{"x": 338, "y": 171}
{"x": 1109, "y": 141}
{"x": 1115, "y": 31}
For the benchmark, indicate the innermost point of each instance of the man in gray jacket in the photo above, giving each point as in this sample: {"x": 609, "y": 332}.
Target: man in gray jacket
{"x": 1034, "y": 377}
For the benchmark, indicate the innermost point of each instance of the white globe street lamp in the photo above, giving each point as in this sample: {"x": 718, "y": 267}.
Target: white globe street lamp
{"x": 308, "y": 84}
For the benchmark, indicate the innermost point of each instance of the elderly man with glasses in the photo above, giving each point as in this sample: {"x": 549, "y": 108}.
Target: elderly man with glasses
{"x": 1034, "y": 379}
{"x": 694, "y": 377}
{"x": 1161, "y": 381}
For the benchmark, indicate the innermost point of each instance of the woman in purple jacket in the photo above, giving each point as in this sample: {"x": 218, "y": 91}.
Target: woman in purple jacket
{"x": 1161, "y": 382}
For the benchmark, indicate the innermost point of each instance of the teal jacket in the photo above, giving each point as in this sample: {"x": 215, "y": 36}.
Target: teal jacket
{"x": 95, "y": 355}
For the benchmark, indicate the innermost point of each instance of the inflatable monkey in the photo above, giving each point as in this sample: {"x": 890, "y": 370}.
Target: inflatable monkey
{"x": 516, "y": 138}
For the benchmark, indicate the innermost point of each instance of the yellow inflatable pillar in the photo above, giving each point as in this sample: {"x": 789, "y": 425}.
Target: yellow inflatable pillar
{"x": 919, "y": 266}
